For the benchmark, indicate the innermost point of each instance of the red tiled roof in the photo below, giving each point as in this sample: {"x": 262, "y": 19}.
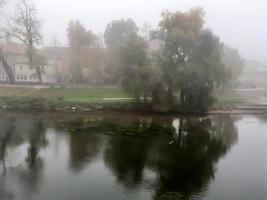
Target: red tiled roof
{"x": 13, "y": 48}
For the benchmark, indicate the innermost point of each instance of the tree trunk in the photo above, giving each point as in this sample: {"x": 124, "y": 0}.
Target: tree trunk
{"x": 39, "y": 76}
{"x": 7, "y": 69}
{"x": 182, "y": 95}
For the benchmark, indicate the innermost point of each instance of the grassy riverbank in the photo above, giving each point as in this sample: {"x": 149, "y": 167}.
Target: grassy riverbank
{"x": 84, "y": 99}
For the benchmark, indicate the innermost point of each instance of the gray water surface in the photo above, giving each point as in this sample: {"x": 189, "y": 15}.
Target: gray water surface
{"x": 115, "y": 156}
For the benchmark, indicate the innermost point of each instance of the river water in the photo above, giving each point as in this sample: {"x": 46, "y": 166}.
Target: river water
{"x": 117, "y": 156}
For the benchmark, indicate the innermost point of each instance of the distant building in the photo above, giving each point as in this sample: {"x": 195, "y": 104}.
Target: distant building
{"x": 12, "y": 52}
{"x": 23, "y": 74}
{"x": 92, "y": 63}
{"x": 14, "y": 55}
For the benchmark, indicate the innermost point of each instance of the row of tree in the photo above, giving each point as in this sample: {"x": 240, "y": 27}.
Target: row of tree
{"x": 185, "y": 65}
{"x": 188, "y": 62}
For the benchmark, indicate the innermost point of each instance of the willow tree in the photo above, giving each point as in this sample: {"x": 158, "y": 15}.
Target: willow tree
{"x": 190, "y": 61}
{"x": 179, "y": 32}
{"x": 203, "y": 72}
{"x": 26, "y": 27}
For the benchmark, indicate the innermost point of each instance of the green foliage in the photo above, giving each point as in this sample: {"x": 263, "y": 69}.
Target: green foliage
{"x": 80, "y": 41}
{"x": 202, "y": 72}
{"x": 38, "y": 60}
{"x": 190, "y": 61}
{"x": 207, "y": 53}
{"x": 196, "y": 87}
{"x": 26, "y": 27}
{"x": 136, "y": 71}
{"x": 80, "y": 37}
{"x": 117, "y": 35}
{"x": 179, "y": 33}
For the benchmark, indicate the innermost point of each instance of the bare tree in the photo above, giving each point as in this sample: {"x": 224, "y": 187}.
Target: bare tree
{"x": 5, "y": 65}
{"x": 26, "y": 27}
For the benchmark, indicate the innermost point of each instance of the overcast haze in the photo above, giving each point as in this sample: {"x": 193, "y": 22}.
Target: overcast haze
{"x": 239, "y": 23}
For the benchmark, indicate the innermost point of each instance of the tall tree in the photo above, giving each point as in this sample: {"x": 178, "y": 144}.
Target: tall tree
{"x": 116, "y": 36}
{"x": 190, "y": 61}
{"x": 202, "y": 72}
{"x": 80, "y": 41}
{"x": 26, "y": 27}
{"x": 178, "y": 32}
{"x": 136, "y": 71}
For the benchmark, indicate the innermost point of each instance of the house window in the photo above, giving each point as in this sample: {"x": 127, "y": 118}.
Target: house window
{"x": 25, "y": 77}
{"x": 21, "y": 67}
{"x": 17, "y": 77}
{"x": 21, "y": 77}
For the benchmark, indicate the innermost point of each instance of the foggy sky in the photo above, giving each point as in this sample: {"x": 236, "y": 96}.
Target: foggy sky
{"x": 239, "y": 23}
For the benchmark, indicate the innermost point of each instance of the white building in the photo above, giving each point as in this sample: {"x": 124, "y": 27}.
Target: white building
{"x": 14, "y": 55}
{"x": 24, "y": 74}
{"x": 11, "y": 52}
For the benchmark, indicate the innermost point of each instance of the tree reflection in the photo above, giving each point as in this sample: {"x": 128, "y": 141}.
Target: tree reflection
{"x": 7, "y": 132}
{"x": 126, "y": 152}
{"x": 182, "y": 153}
{"x": 183, "y": 156}
{"x": 5, "y": 138}
{"x": 126, "y": 157}
{"x": 83, "y": 149}
{"x": 30, "y": 175}
{"x": 84, "y": 143}
{"x": 37, "y": 140}
{"x": 16, "y": 131}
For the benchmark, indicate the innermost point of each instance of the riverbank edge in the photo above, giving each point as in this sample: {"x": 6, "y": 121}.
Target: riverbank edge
{"x": 28, "y": 104}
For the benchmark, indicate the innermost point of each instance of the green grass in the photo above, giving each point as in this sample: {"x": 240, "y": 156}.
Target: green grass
{"x": 223, "y": 102}
{"x": 91, "y": 97}
{"x": 66, "y": 98}
{"x": 83, "y": 95}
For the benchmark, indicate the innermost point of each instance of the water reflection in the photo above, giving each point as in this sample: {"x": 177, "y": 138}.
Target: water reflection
{"x": 5, "y": 138}
{"x": 187, "y": 165}
{"x": 31, "y": 174}
{"x": 83, "y": 146}
{"x": 181, "y": 153}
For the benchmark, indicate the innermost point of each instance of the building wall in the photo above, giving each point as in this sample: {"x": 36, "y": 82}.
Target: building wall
{"x": 23, "y": 74}
{"x": 11, "y": 60}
